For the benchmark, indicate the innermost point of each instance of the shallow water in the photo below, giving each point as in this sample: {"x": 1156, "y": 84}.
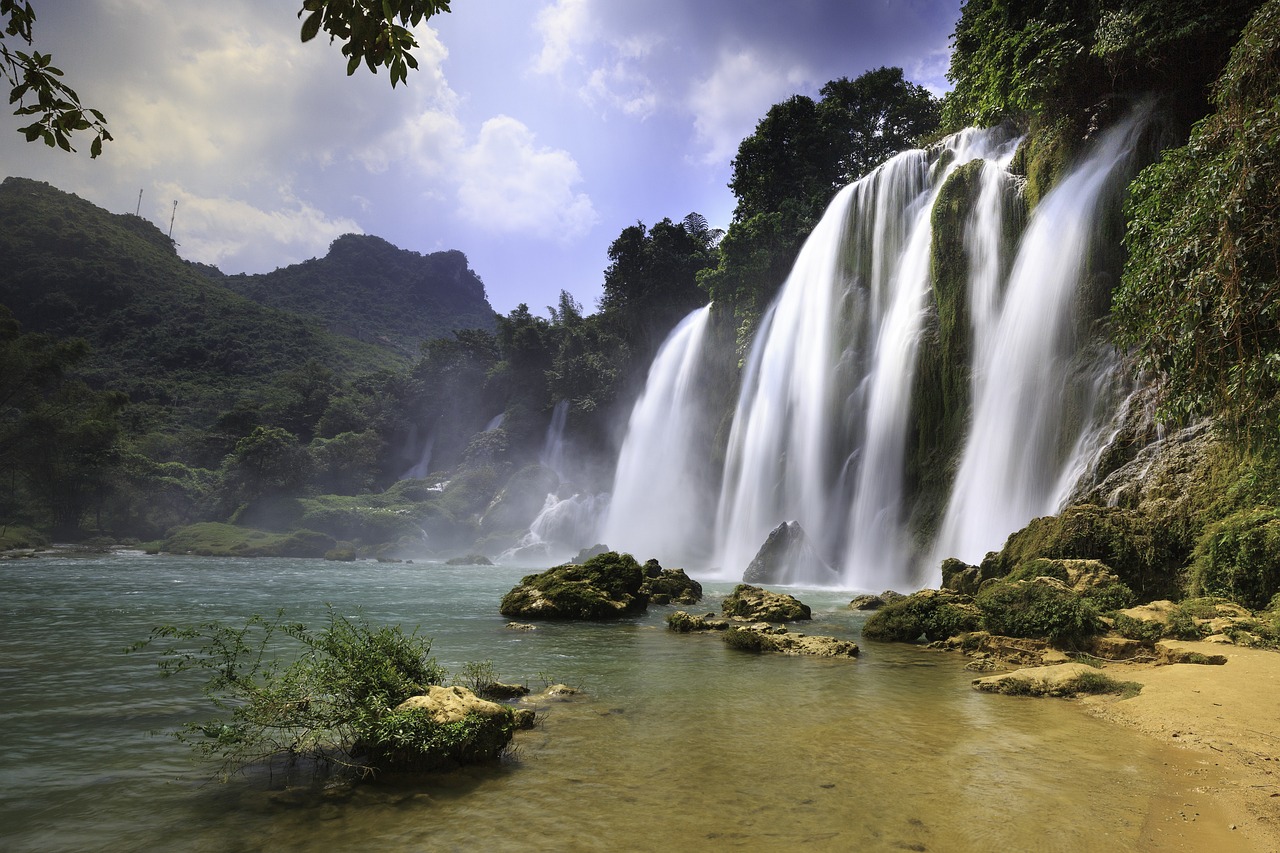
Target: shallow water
{"x": 676, "y": 743}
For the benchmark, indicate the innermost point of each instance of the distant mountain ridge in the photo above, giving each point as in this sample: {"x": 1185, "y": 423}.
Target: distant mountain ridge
{"x": 369, "y": 289}
{"x": 162, "y": 330}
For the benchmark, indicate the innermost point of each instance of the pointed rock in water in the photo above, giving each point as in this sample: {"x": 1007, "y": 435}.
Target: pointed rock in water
{"x": 753, "y": 603}
{"x": 587, "y": 553}
{"x": 787, "y": 556}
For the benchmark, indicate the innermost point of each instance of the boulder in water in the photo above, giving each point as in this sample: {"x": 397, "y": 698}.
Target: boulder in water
{"x": 606, "y": 586}
{"x": 787, "y": 556}
{"x": 756, "y": 604}
{"x": 765, "y": 638}
{"x": 669, "y": 586}
{"x": 587, "y": 553}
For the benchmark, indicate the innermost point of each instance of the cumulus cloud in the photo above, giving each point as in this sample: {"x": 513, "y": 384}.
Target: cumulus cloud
{"x": 565, "y": 27}
{"x": 511, "y": 185}
{"x": 234, "y": 234}
{"x": 727, "y": 103}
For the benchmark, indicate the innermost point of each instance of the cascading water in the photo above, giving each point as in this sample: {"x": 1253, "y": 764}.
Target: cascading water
{"x": 827, "y": 414}
{"x": 820, "y": 428}
{"x": 660, "y": 502}
{"x": 1014, "y": 467}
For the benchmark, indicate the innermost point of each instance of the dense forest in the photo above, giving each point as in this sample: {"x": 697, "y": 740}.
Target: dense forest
{"x": 146, "y": 398}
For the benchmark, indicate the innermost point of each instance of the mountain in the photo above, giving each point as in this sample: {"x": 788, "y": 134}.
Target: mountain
{"x": 369, "y": 289}
{"x": 162, "y": 330}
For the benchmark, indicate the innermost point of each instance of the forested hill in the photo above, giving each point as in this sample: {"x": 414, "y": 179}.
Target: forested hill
{"x": 369, "y": 289}
{"x": 160, "y": 330}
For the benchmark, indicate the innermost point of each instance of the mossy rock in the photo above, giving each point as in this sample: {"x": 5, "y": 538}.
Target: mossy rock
{"x": 607, "y": 586}
{"x": 213, "y": 539}
{"x": 752, "y": 602}
{"x": 1122, "y": 539}
{"x": 469, "y": 560}
{"x": 669, "y": 586}
{"x": 930, "y": 613}
{"x": 1041, "y": 608}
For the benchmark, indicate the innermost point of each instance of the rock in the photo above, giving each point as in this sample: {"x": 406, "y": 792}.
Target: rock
{"x": 787, "y": 556}
{"x": 525, "y": 718}
{"x": 1065, "y": 679}
{"x": 766, "y": 638}
{"x": 469, "y": 560}
{"x": 959, "y": 576}
{"x": 593, "y": 551}
{"x": 686, "y": 623}
{"x": 1117, "y": 648}
{"x": 1169, "y": 654}
{"x": 443, "y": 706}
{"x": 452, "y": 704}
{"x": 607, "y": 586}
{"x": 889, "y": 596}
{"x": 752, "y": 602}
{"x": 669, "y": 586}
{"x": 1156, "y": 611}
{"x": 561, "y": 690}
{"x": 866, "y": 602}
{"x": 498, "y": 690}
{"x": 521, "y": 626}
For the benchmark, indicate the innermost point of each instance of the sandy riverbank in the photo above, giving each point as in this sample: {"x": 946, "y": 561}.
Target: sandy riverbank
{"x": 1228, "y": 717}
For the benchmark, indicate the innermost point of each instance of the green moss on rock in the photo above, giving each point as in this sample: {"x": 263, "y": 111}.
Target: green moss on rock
{"x": 606, "y": 586}
{"x": 931, "y": 613}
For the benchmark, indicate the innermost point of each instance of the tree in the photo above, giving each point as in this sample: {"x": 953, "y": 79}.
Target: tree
{"x": 35, "y": 85}
{"x": 653, "y": 279}
{"x": 874, "y": 117}
{"x": 373, "y": 32}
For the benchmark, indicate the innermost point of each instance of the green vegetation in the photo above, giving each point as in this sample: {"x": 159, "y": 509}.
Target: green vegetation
{"x": 1198, "y": 299}
{"x": 215, "y": 539}
{"x": 935, "y": 615}
{"x": 607, "y": 586}
{"x": 1239, "y": 558}
{"x": 331, "y": 696}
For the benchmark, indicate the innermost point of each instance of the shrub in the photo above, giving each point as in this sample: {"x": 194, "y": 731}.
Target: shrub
{"x": 932, "y": 614}
{"x": 1239, "y": 558}
{"x": 1037, "y": 608}
{"x": 332, "y": 704}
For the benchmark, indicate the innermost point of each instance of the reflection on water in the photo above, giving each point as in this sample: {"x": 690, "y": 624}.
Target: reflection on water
{"x": 677, "y": 742}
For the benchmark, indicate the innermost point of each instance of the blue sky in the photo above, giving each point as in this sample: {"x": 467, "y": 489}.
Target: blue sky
{"x": 533, "y": 132}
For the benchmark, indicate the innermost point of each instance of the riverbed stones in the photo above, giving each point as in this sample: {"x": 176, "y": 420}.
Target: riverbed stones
{"x": 756, "y": 604}
{"x": 1066, "y": 679}
{"x": 683, "y": 622}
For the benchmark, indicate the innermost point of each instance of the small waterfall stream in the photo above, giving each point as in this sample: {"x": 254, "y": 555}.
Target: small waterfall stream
{"x": 824, "y": 422}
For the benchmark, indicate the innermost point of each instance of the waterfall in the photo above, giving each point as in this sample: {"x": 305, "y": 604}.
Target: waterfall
{"x": 834, "y": 427}
{"x": 819, "y": 432}
{"x": 552, "y": 455}
{"x": 1014, "y": 467}
{"x": 659, "y": 503}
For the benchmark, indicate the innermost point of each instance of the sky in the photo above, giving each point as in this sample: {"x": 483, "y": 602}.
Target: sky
{"x": 532, "y": 133}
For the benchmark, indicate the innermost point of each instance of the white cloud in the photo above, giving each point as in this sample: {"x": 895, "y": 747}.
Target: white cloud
{"x": 622, "y": 88}
{"x": 509, "y": 185}
{"x": 565, "y": 27}
{"x": 729, "y": 102}
{"x": 235, "y": 234}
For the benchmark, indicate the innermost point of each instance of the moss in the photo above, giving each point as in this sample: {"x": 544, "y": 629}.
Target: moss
{"x": 745, "y": 640}
{"x": 1123, "y": 539}
{"x": 1239, "y": 558}
{"x": 604, "y": 587}
{"x": 1038, "y": 608}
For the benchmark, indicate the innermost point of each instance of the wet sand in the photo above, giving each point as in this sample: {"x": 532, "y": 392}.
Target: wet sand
{"x": 1227, "y": 718}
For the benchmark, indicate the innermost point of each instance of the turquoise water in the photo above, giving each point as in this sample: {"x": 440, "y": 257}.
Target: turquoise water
{"x": 675, "y": 743}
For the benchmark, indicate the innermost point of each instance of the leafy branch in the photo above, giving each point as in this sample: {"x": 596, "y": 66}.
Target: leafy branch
{"x": 375, "y": 32}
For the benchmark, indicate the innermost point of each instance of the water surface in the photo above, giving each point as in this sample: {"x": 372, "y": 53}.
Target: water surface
{"x": 676, "y": 742}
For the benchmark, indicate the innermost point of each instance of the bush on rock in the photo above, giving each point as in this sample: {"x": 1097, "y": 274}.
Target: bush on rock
{"x": 931, "y": 613}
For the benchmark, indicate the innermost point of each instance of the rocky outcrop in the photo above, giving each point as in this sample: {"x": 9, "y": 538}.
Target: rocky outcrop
{"x": 787, "y": 556}
{"x": 934, "y": 614}
{"x": 688, "y": 623}
{"x": 763, "y": 637}
{"x": 760, "y": 605}
{"x": 669, "y": 586}
{"x": 1064, "y": 679}
{"x": 606, "y": 586}
{"x": 444, "y": 727}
